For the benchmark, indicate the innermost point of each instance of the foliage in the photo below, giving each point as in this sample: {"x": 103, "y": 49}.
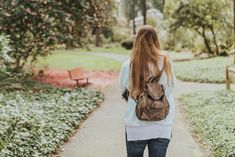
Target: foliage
{"x": 206, "y": 17}
{"x": 128, "y": 43}
{"x": 35, "y": 27}
{"x": 211, "y": 116}
{"x": 158, "y": 4}
{"x": 69, "y": 59}
{"x": 102, "y": 10}
{"x": 34, "y": 122}
{"x": 4, "y": 50}
{"x": 5, "y": 59}
{"x": 207, "y": 70}
{"x": 119, "y": 33}
{"x": 186, "y": 40}
{"x": 151, "y": 21}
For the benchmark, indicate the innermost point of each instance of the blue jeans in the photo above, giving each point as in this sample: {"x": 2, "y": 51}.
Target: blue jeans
{"x": 156, "y": 147}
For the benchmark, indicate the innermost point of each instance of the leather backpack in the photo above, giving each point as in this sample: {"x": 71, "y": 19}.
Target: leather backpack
{"x": 152, "y": 104}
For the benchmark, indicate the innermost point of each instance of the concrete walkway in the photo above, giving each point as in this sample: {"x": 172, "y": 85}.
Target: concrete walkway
{"x": 102, "y": 134}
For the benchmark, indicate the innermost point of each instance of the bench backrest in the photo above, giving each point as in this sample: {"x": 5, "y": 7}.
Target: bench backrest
{"x": 75, "y": 73}
{"x": 231, "y": 71}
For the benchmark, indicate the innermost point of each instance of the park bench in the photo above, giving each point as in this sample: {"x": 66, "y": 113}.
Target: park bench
{"x": 230, "y": 75}
{"x": 77, "y": 75}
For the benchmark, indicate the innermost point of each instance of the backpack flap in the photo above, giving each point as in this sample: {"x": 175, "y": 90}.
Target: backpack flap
{"x": 155, "y": 90}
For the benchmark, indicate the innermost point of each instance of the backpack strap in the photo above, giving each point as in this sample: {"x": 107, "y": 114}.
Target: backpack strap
{"x": 157, "y": 77}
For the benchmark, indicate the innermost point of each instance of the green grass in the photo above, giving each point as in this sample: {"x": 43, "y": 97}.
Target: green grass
{"x": 180, "y": 55}
{"x": 211, "y": 114}
{"x": 106, "y": 48}
{"x": 206, "y": 70}
{"x": 68, "y": 59}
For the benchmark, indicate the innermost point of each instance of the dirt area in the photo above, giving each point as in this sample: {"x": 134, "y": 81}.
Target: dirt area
{"x": 60, "y": 78}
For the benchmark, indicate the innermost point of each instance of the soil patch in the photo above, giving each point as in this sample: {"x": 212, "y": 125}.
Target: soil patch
{"x": 60, "y": 78}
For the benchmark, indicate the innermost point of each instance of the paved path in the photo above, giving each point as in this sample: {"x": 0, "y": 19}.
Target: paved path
{"x": 102, "y": 134}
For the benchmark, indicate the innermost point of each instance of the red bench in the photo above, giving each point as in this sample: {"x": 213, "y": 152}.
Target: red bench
{"x": 77, "y": 75}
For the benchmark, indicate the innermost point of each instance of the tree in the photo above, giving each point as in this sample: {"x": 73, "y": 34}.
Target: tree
{"x": 130, "y": 10}
{"x": 206, "y": 17}
{"x": 36, "y": 26}
{"x": 234, "y": 28}
{"x": 144, "y": 11}
{"x": 158, "y": 4}
{"x": 102, "y": 12}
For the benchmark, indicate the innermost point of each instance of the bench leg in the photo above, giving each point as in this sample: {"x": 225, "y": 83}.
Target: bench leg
{"x": 77, "y": 83}
{"x": 227, "y": 80}
{"x": 86, "y": 80}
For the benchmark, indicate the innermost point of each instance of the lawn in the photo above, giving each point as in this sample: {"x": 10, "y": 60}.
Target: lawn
{"x": 180, "y": 55}
{"x": 206, "y": 70}
{"x": 35, "y": 120}
{"x": 211, "y": 114}
{"x": 106, "y": 48}
{"x": 68, "y": 59}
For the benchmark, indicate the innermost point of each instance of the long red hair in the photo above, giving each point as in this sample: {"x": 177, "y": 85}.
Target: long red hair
{"x": 146, "y": 53}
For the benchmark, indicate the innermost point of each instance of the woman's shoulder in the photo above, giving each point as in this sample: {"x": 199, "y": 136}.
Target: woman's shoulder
{"x": 126, "y": 63}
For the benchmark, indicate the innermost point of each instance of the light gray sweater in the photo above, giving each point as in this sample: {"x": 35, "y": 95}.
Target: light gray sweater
{"x": 140, "y": 130}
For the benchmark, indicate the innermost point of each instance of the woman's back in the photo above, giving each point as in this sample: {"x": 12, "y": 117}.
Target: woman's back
{"x": 146, "y": 60}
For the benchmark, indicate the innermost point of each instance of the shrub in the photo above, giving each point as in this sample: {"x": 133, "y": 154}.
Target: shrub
{"x": 5, "y": 59}
{"x": 128, "y": 43}
{"x": 119, "y": 34}
{"x": 4, "y": 50}
{"x": 36, "y": 26}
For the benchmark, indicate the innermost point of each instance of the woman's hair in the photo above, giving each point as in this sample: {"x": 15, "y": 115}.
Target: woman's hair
{"x": 146, "y": 52}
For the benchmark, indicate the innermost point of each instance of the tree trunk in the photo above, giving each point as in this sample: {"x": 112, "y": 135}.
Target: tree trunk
{"x": 206, "y": 41}
{"x": 215, "y": 41}
{"x": 144, "y": 12}
{"x": 234, "y": 27}
{"x": 97, "y": 37}
{"x": 133, "y": 18}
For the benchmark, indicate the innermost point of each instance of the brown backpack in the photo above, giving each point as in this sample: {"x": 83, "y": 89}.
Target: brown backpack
{"x": 152, "y": 104}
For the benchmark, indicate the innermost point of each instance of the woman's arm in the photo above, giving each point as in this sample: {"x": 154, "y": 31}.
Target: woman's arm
{"x": 123, "y": 77}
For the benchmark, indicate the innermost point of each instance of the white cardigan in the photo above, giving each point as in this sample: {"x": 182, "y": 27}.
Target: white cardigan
{"x": 141, "y": 130}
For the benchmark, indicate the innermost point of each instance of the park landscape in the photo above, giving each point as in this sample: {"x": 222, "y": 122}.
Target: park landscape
{"x": 43, "y": 112}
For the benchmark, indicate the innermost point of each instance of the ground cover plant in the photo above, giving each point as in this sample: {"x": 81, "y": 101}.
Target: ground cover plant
{"x": 69, "y": 59}
{"x": 211, "y": 114}
{"x": 207, "y": 70}
{"x": 35, "y": 121}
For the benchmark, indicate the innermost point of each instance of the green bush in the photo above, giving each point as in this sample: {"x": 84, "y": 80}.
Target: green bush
{"x": 211, "y": 114}
{"x": 4, "y": 50}
{"x": 35, "y": 27}
{"x": 119, "y": 34}
{"x": 207, "y": 70}
{"x": 35, "y": 121}
{"x": 128, "y": 44}
{"x": 5, "y": 59}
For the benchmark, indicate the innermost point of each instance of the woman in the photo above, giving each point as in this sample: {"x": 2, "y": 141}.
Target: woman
{"x": 146, "y": 60}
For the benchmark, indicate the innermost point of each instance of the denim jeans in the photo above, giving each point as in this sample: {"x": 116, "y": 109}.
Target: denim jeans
{"x": 156, "y": 147}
